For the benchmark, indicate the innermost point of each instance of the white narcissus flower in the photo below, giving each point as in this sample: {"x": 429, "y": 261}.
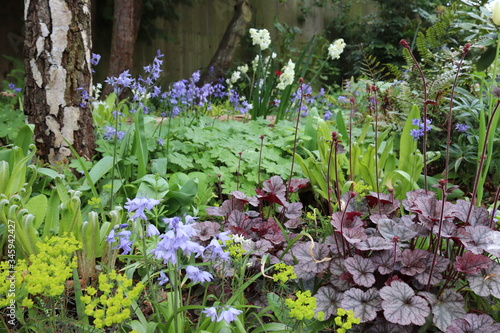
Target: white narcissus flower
{"x": 261, "y": 37}
{"x": 495, "y": 9}
{"x": 287, "y": 76}
{"x": 336, "y": 48}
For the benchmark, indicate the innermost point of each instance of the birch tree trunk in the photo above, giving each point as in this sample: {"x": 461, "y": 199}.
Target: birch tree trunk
{"x": 57, "y": 63}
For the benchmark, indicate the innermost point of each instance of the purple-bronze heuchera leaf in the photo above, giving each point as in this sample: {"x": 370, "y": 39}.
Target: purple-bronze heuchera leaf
{"x": 258, "y": 248}
{"x": 383, "y": 326}
{"x": 374, "y": 244}
{"x": 354, "y": 235}
{"x": 365, "y": 304}
{"x": 429, "y": 210}
{"x": 245, "y": 199}
{"x": 487, "y": 281}
{"x": 402, "y": 306}
{"x": 387, "y": 204}
{"x": 340, "y": 278}
{"x": 448, "y": 306}
{"x": 493, "y": 243}
{"x": 473, "y": 323}
{"x": 293, "y": 210}
{"x": 389, "y": 229}
{"x": 346, "y": 220}
{"x": 386, "y": 262}
{"x": 304, "y": 255}
{"x": 413, "y": 261}
{"x": 478, "y": 215}
{"x": 273, "y": 191}
{"x": 478, "y": 240}
{"x": 327, "y": 301}
{"x": 361, "y": 269}
{"x": 296, "y": 183}
{"x": 207, "y": 230}
{"x": 471, "y": 263}
{"x": 440, "y": 265}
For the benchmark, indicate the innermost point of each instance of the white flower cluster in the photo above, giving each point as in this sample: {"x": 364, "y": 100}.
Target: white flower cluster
{"x": 287, "y": 76}
{"x": 261, "y": 37}
{"x": 265, "y": 63}
{"x": 336, "y": 48}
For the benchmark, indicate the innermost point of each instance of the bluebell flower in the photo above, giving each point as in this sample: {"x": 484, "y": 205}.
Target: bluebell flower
{"x": 197, "y": 275}
{"x": 217, "y": 251}
{"x": 13, "y": 87}
{"x": 163, "y": 278}
{"x": 112, "y": 133}
{"x": 463, "y": 128}
{"x": 328, "y": 115}
{"x": 177, "y": 238}
{"x": 123, "y": 236}
{"x": 417, "y": 133}
{"x": 95, "y": 59}
{"x": 139, "y": 205}
{"x": 152, "y": 230}
{"x": 161, "y": 141}
{"x": 211, "y": 312}
{"x": 227, "y": 313}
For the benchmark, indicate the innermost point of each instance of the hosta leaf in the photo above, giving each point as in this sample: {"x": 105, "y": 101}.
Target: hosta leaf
{"x": 471, "y": 263}
{"x": 474, "y": 323}
{"x": 402, "y": 306}
{"x": 487, "y": 281}
{"x": 478, "y": 240}
{"x": 365, "y": 304}
{"x": 374, "y": 244}
{"x": 478, "y": 216}
{"x": 447, "y": 307}
{"x": 361, "y": 269}
{"x": 391, "y": 230}
{"x": 413, "y": 261}
{"x": 328, "y": 301}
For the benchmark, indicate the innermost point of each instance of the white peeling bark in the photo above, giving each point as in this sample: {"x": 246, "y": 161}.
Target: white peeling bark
{"x": 57, "y": 58}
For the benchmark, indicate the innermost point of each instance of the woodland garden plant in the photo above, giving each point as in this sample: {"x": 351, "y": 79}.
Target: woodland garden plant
{"x": 320, "y": 211}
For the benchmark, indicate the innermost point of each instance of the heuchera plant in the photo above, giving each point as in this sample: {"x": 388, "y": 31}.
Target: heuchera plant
{"x": 400, "y": 265}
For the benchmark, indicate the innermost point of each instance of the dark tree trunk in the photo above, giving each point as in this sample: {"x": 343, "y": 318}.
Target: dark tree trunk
{"x": 57, "y": 63}
{"x": 127, "y": 19}
{"x": 223, "y": 57}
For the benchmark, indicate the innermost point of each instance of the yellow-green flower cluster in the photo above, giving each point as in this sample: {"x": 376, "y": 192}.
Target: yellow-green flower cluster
{"x": 235, "y": 248}
{"x": 111, "y": 304}
{"x": 284, "y": 273}
{"x": 362, "y": 189}
{"x": 303, "y": 307}
{"x": 10, "y": 281}
{"x": 52, "y": 266}
{"x": 343, "y": 326}
{"x": 94, "y": 201}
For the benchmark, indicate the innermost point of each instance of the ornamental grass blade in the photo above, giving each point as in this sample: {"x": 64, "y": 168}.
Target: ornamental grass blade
{"x": 402, "y": 306}
{"x": 365, "y": 304}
